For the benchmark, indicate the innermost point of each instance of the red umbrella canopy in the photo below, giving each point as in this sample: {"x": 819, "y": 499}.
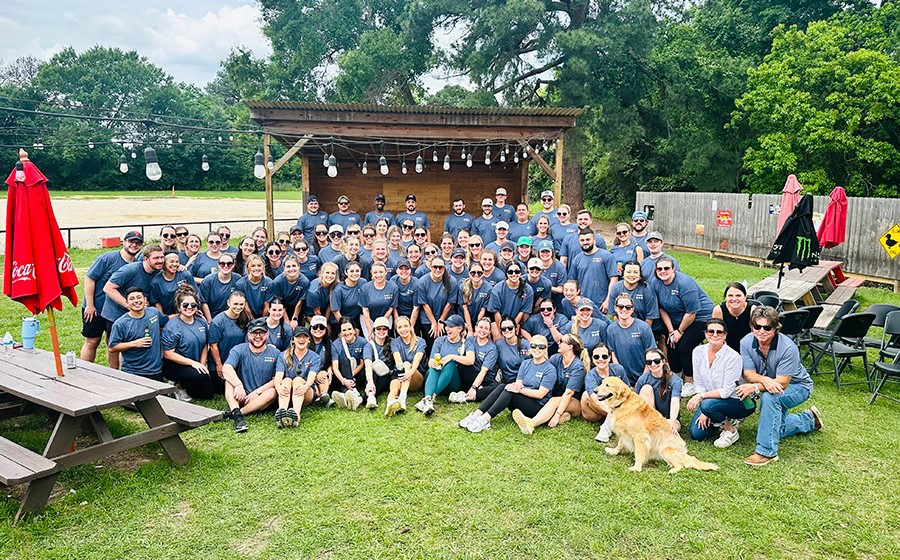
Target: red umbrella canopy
{"x": 790, "y": 196}
{"x": 37, "y": 267}
{"x": 833, "y": 229}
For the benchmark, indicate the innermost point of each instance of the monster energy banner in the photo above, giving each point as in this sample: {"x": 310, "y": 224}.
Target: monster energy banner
{"x": 797, "y": 244}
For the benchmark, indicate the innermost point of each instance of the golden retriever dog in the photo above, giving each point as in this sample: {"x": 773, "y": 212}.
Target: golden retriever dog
{"x": 643, "y": 430}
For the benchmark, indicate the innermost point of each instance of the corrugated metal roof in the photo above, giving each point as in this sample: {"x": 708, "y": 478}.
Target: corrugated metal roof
{"x": 419, "y": 109}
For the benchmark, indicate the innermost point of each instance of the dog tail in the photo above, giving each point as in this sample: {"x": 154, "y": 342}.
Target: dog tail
{"x": 679, "y": 459}
{"x": 692, "y": 462}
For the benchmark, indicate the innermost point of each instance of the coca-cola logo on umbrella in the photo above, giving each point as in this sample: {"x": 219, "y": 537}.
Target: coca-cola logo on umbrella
{"x": 23, "y": 271}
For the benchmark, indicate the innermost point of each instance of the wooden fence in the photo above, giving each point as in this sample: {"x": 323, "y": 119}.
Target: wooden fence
{"x": 699, "y": 220}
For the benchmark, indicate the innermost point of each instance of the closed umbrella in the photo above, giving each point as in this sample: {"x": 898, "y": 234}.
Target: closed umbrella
{"x": 797, "y": 243}
{"x": 790, "y": 196}
{"x": 38, "y": 272}
{"x": 833, "y": 229}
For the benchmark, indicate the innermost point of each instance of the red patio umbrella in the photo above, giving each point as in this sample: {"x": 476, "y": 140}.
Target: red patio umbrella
{"x": 37, "y": 269}
{"x": 833, "y": 229}
{"x": 789, "y": 198}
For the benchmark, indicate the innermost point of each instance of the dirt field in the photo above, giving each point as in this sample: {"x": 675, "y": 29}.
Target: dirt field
{"x": 132, "y": 211}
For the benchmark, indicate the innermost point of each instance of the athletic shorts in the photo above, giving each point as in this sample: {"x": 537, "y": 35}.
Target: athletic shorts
{"x": 95, "y": 327}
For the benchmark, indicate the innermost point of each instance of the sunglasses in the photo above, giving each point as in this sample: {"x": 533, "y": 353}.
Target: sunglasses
{"x": 213, "y": 242}
{"x": 507, "y": 328}
{"x": 344, "y": 203}
{"x": 437, "y": 267}
{"x": 546, "y": 309}
{"x": 322, "y": 233}
{"x": 169, "y": 235}
{"x": 639, "y": 221}
{"x": 284, "y": 241}
{"x": 408, "y": 226}
{"x": 257, "y": 333}
{"x": 547, "y": 199}
{"x": 381, "y": 328}
{"x": 474, "y": 244}
{"x": 420, "y": 234}
{"x": 601, "y": 356}
{"x": 562, "y": 213}
{"x": 625, "y": 307}
{"x": 653, "y": 361}
{"x": 336, "y": 234}
{"x": 621, "y": 233}
{"x": 273, "y": 253}
{"x": 188, "y": 305}
{"x": 714, "y": 332}
{"x": 766, "y": 328}
{"x": 663, "y": 268}
{"x": 537, "y": 268}
{"x": 513, "y": 271}
{"x": 301, "y": 248}
{"x": 226, "y": 263}
{"x": 353, "y": 232}
{"x": 431, "y": 253}
{"x": 317, "y": 327}
{"x": 476, "y": 273}
{"x": 225, "y": 235}
{"x": 181, "y": 234}
{"x": 368, "y": 235}
{"x": 539, "y": 346}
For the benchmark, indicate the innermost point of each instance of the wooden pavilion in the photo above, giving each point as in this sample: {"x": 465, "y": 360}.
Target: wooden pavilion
{"x": 429, "y": 142}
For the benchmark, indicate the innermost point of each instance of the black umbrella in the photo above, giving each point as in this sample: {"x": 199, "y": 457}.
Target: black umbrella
{"x": 797, "y": 243}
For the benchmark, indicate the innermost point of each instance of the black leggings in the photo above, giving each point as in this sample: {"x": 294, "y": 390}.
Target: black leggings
{"x": 467, "y": 375}
{"x": 197, "y": 385}
{"x": 500, "y": 399}
{"x": 680, "y": 359}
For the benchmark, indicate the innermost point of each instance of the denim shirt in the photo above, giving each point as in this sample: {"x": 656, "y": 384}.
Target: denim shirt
{"x": 783, "y": 359}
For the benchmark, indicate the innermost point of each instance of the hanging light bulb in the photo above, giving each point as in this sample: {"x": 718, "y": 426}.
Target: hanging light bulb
{"x": 447, "y": 162}
{"x": 204, "y": 163}
{"x": 332, "y": 169}
{"x": 332, "y": 161}
{"x": 90, "y": 144}
{"x": 202, "y": 140}
{"x": 545, "y": 145}
{"x": 502, "y": 157}
{"x": 20, "y": 172}
{"x": 420, "y": 164}
{"x": 153, "y": 170}
{"x": 487, "y": 156}
{"x": 403, "y": 168}
{"x": 382, "y": 165}
{"x": 469, "y": 160}
{"x": 525, "y": 151}
{"x": 325, "y": 160}
{"x": 259, "y": 166}
{"x": 516, "y": 156}
{"x": 462, "y": 154}
{"x": 133, "y": 154}
{"x": 169, "y": 141}
{"x": 220, "y": 138}
{"x": 365, "y": 169}
{"x": 123, "y": 163}
{"x": 434, "y": 156}
{"x": 271, "y": 163}
{"x": 506, "y": 148}
{"x": 180, "y": 139}
{"x": 231, "y": 137}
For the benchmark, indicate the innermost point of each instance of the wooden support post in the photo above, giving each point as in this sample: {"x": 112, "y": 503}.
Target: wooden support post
{"x": 304, "y": 179}
{"x": 270, "y": 198}
{"x": 557, "y": 187}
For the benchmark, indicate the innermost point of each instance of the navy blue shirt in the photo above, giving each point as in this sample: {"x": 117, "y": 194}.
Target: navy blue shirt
{"x": 225, "y": 332}
{"x": 328, "y": 254}
{"x": 485, "y": 356}
{"x": 310, "y": 268}
{"x": 406, "y": 297}
{"x": 132, "y": 274}
{"x": 569, "y": 377}
{"x": 643, "y": 297}
{"x": 308, "y": 222}
{"x": 346, "y": 299}
{"x": 139, "y": 361}
{"x": 419, "y": 218}
{"x": 444, "y": 347}
{"x": 593, "y": 334}
{"x": 623, "y": 254}
{"x": 629, "y": 345}
{"x": 379, "y": 301}
{"x": 373, "y": 217}
{"x": 162, "y": 291}
{"x": 559, "y": 233}
{"x": 257, "y": 294}
{"x": 454, "y": 223}
{"x": 255, "y": 370}
{"x": 344, "y": 220}
{"x": 593, "y": 379}
{"x": 507, "y": 213}
{"x": 484, "y": 228}
{"x": 593, "y": 273}
{"x": 356, "y": 349}
{"x": 215, "y": 294}
{"x": 551, "y": 215}
{"x": 290, "y": 293}
{"x": 204, "y": 265}
{"x": 571, "y": 247}
{"x": 188, "y": 341}
{"x": 317, "y": 296}
{"x": 279, "y": 335}
{"x": 510, "y": 358}
{"x": 507, "y": 301}
{"x": 541, "y": 288}
{"x": 682, "y": 296}
{"x": 407, "y": 355}
{"x": 517, "y": 230}
{"x": 480, "y": 297}
{"x": 429, "y": 292}
{"x": 310, "y": 363}
{"x": 535, "y": 325}
{"x": 648, "y": 267}
{"x": 783, "y": 359}
{"x": 662, "y": 404}
{"x": 100, "y": 271}
{"x": 535, "y": 376}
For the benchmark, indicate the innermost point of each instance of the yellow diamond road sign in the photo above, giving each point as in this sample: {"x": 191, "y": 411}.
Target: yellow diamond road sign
{"x": 891, "y": 241}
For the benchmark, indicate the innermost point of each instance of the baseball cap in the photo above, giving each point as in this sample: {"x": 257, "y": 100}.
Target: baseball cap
{"x": 454, "y": 321}
{"x": 544, "y": 245}
{"x": 585, "y": 303}
{"x": 318, "y": 320}
{"x": 457, "y": 253}
{"x": 524, "y": 240}
{"x": 410, "y": 197}
{"x": 501, "y": 190}
{"x": 534, "y": 263}
{"x": 507, "y": 245}
{"x": 299, "y": 331}
{"x": 312, "y": 198}
{"x": 639, "y": 214}
{"x": 335, "y": 227}
{"x": 258, "y": 325}
{"x": 380, "y": 197}
{"x": 381, "y": 322}
{"x": 654, "y": 235}
{"x": 297, "y": 229}
{"x": 487, "y": 202}
{"x": 501, "y": 224}
{"x": 134, "y": 236}
{"x": 343, "y": 198}
{"x": 547, "y": 193}
{"x": 403, "y": 262}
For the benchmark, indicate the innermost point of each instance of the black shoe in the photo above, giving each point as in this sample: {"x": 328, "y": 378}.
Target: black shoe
{"x": 240, "y": 424}
{"x": 226, "y": 414}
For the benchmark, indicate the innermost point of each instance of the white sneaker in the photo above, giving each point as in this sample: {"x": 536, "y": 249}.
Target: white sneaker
{"x": 726, "y": 439}
{"x": 393, "y": 406}
{"x": 479, "y": 424}
{"x": 688, "y": 390}
{"x": 429, "y": 406}
{"x": 182, "y": 395}
{"x": 605, "y": 431}
{"x": 402, "y": 404}
{"x": 523, "y": 422}
{"x": 455, "y": 397}
{"x": 340, "y": 399}
{"x": 420, "y": 406}
{"x": 371, "y": 402}
{"x": 464, "y": 423}
{"x": 353, "y": 399}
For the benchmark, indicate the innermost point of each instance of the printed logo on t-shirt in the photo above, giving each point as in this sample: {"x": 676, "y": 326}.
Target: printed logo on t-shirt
{"x": 263, "y": 288}
{"x": 597, "y": 260}
{"x": 635, "y": 334}
{"x": 594, "y": 333}
{"x": 387, "y": 297}
{"x": 153, "y": 319}
{"x": 269, "y": 360}
{"x": 674, "y": 291}
{"x": 638, "y": 297}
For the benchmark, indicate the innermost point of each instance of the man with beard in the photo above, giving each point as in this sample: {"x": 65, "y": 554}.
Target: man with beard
{"x": 484, "y": 226}
{"x": 570, "y": 245}
{"x": 344, "y": 217}
{"x": 313, "y": 217}
{"x": 420, "y": 220}
{"x": 93, "y": 325}
{"x": 250, "y": 373}
{"x": 639, "y": 229}
{"x": 459, "y": 219}
{"x": 375, "y": 215}
{"x": 594, "y": 268}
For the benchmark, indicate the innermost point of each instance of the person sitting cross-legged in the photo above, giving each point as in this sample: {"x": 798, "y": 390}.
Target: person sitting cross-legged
{"x": 250, "y": 375}
{"x": 297, "y": 384}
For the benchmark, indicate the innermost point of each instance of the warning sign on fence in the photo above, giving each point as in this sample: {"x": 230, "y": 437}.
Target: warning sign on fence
{"x": 891, "y": 241}
{"x": 724, "y": 218}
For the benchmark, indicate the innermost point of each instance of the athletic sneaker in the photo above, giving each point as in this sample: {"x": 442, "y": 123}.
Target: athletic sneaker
{"x": 479, "y": 424}
{"x": 605, "y": 431}
{"x": 464, "y": 423}
{"x": 353, "y": 399}
{"x": 420, "y": 406}
{"x": 182, "y": 395}
{"x": 523, "y": 422}
{"x": 240, "y": 423}
{"x": 279, "y": 418}
{"x": 429, "y": 406}
{"x": 393, "y": 406}
{"x": 459, "y": 397}
{"x": 402, "y": 404}
{"x": 340, "y": 399}
{"x": 726, "y": 439}
{"x": 371, "y": 402}
{"x": 325, "y": 400}
{"x": 292, "y": 416}
{"x": 226, "y": 414}
{"x": 688, "y": 390}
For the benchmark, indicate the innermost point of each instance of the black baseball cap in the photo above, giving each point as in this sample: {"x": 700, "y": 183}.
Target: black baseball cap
{"x": 380, "y": 197}
{"x": 410, "y": 197}
{"x": 258, "y": 325}
{"x": 134, "y": 236}
{"x": 312, "y": 198}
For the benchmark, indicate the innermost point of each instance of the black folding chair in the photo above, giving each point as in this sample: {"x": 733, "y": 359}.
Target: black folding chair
{"x": 846, "y": 308}
{"x": 755, "y": 295}
{"x": 769, "y": 300}
{"x": 888, "y": 370}
{"x": 853, "y": 328}
{"x": 792, "y": 322}
{"x": 891, "y": 337}
{"x": 881, "y": 311}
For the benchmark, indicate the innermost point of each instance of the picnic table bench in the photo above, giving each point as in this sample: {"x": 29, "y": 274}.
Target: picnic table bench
{"x": 823, "y": 284}
{"x": 79, "y": 399}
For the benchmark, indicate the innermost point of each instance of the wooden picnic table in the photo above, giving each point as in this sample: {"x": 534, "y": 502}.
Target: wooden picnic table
{"x": 810, "y": 286}
{"x": 80, "y": 398}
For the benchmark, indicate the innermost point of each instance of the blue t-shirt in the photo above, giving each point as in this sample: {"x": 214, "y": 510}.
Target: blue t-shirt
{"x": 255, "y": 370}
{"x": 535, "y": 376}
{"x": 454, "y": 223}
{"x": 390, "y": 266}
{"x": 310, "y": 268}
{"x": 100, "y": 271}
{"x": 496, "y": 276}
{"x": 593, "y": 379}
{"x": 629, "y": 345}
{"x": 162, "y": 291}
{"x": 460, "y": 276}
{"x": 567, "y": 309}
{"x": 444, "y": 347}
{"x": 550, "y": 214}
{"x": 225, "y": 332}
{"x": 541, "y": 288}
{"x": 378, "y": 301}
{"x": 356, "y": 349}
{"x": 648, "y": 267}
{"x": 215, "y": 294}
{"x": 139, "y": 361}
{"x": 407, "y": 355}
{"x": 421, "y": 271}
{"x": 783, "y": 359}
{"x": 568, "y": 378}
{"x": 559, "y": 233}
{"x": 535, "y": 325}
{"x": 507, "y": 301}
{"x": 517, "y": 230}
{"x": 344, "y": 220}
{"x": 328, "y": 254}
{"x": 346, "y": 299}
{"x": 383, "y": 352}
{"x": 132, "y": 274}
{"x": 571, "y": 246}
{"x": 480, "y": 297}
{"x": 662, "y": 404}
{"x": 429, "y": 292}
{"x": 419, "y": 218}
{"x": 279, "y": 336}
{"x": 643, "y": 296}
{"x": 257, "y": 294}
{"x": 682, "y": 296}
{"x": 372, "y": 217}
{"x": 310, "y": 363}
{"x": 509, "y": 358}
{"x": 188, "y": 341}
{"x": 406, "y": 297}
{"x": 507, "y": 213}
{"x": 317, "y": 297}
{"x": 204, "y": 265}
{"x": 593, "y": 273}
{"x": 290, "y": 293}
{"x": 308, "y": 222}
{"x": 593, "y": 334}
{"x": 485, "y": 356}
{"x": 622, "y": 254}
{"x": 484, "y": 228}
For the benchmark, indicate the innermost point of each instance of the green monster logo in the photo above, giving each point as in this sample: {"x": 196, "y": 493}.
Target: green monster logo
{"x": 804, "y": 248}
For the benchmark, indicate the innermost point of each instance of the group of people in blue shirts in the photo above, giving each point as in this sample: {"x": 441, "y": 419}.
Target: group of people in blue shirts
{"x": 517, "y": 312}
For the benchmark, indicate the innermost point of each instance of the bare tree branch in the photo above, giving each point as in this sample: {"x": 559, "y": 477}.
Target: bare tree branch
{"x": 526, "y": 75}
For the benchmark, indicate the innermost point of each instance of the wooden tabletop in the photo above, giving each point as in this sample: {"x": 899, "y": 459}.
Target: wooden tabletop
{"x": 31, "y": 375}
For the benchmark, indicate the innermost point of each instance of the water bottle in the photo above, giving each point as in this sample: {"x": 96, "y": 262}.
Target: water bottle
{"x": 8, "y": 344}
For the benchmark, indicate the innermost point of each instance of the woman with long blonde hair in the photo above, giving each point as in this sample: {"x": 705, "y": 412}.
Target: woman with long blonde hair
{"x": 409, "y": 354}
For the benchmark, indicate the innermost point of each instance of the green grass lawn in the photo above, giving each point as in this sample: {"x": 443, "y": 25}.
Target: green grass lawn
{"x": 359, "y": 485}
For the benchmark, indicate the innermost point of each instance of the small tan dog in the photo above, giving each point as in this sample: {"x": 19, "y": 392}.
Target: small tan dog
{"x": 643, "y": 431}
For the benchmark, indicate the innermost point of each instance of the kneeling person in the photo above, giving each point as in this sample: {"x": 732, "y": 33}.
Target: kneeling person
{"x": 250, "y": 374}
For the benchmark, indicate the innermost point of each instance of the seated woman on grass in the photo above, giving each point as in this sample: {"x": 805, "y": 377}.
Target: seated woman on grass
{"x": 296, "y": 386}
{"x": 528, "y": 393}
{"x": 409, "y": 355}
{"x": 601, "y": 358}
{"x": 480, "y": 378}
{"x": 347, "y": 366}
{"x": 448, "y": 353}
{"x": 379, "y": 361}
{"x": 660, "y": 388}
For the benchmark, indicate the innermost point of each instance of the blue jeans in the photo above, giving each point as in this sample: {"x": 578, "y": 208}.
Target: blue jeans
{"x": 718, "y": 411}
{"x": 774, "y": 421}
